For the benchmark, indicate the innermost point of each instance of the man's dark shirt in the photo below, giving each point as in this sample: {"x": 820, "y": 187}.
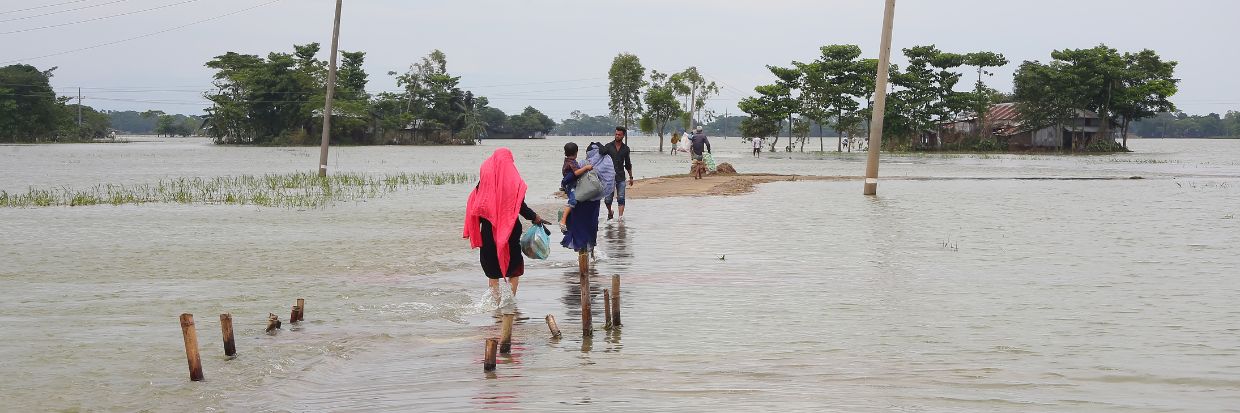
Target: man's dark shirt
{"x": 699, "y": 142}
{"x": 619, "y": 157}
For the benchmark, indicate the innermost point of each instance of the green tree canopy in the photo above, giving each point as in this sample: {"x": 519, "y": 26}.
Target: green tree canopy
{"x": 626, "y": 79}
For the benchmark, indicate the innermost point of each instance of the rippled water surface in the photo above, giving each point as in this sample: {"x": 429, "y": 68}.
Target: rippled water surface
{"x": 978, "y": 293}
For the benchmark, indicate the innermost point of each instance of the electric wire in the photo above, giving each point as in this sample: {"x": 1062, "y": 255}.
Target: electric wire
{"x": 99, "y": 18}
{"x": 145, "y": 35}
{"x": 58, "y": 12}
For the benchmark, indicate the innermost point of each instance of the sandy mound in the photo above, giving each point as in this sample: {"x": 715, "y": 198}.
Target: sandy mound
{"x": 724, "y": 169}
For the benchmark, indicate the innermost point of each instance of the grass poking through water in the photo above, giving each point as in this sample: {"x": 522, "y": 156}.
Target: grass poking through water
{"x": 295, "y": 190}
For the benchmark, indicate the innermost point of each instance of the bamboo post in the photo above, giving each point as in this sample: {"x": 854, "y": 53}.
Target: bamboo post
{"x": 587, "y": 328}
{"x": 191, "y": 347}
{"x": 606, "y": 309}
{"x": 615, "y": 301}
{"x": 505, "y": 340}
{"x": 583, "y": 262}
{"x": 301, "y": 309}
{"x": 555, "y": 329}
{"x": 488, "y": 361}
{"x": 292, "y": 317}
{"x": 230, "y": 349}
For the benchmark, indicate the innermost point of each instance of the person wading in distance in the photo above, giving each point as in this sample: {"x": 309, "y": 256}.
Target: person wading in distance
{"x": 619, "y": 153}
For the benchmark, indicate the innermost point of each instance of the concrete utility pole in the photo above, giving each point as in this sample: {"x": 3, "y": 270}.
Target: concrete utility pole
{"x": 880, "y": 101}
{"x": 331, "y": 94}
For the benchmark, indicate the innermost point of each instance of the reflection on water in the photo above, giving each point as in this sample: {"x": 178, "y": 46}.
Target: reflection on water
{"x": 1078, "y": 295}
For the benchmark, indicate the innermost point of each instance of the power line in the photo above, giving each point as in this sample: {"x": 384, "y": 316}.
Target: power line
{"x": 58, "y": 12}
{"x": 42, "y": 7}
{"x": 145, "y": 35}
{"x": 100, "y": 18}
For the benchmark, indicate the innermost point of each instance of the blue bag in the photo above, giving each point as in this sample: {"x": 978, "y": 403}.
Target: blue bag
{"x": 536, "y": 242}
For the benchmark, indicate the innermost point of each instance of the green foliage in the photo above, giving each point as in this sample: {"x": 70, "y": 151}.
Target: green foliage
{"x": 661, "y": 105}
{"x": 1181, "y": 125}
{"x": 581, "y": 124}
{"x": 296, "y": 190}
{"x": 693, "y": 87}
{"x": 1127, "y": 87}
{"x": 626, "y": 79}
{"x": 530, "y": 122}
{"x": 29, "y": 108}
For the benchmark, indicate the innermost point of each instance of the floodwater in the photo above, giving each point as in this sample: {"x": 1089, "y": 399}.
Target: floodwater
{"x": 979, "y": 293}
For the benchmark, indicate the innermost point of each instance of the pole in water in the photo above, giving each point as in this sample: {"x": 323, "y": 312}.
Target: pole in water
{"x": 488, "y": 360}
{"x": 191, "y": 347}
{"x": 880, "y": 101}
{"x": 505, "y": 340}
{"x": 273, "y": 322}
{"x": 583, "y": 262}
{"x": 301, "y": 309}
{"x": 587, "y": 328}
{"x": 331, "y": 95}
{"x": 230, "y": 349}
{"x": 292, "y": 317}
{"x": 555, "y": 329}
{"x": 615, "y": 301}
{"x": 606, "y": 309}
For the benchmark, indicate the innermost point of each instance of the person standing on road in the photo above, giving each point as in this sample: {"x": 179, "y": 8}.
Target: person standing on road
{"x": 619, "y": 153}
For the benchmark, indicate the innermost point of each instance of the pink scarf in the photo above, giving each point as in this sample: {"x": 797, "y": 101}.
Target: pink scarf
{"x": 497, "y": 199}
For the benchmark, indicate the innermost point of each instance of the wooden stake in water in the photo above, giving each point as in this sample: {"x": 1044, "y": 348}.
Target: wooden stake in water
{"x": 606, "y": 309}
{"x": 583, "y": 262}
{"x": 230, "y": 349}
{"x": 615, "y": 301}
{"x": 555, "y": 329}
{"x": 505, "y": 337}
{"x": 292, "y": 317}
{"x": 191, "y": 347}
{"x": 488, "y": 360}
{"x": 301, "y": 309}
{"x": 587, "y": 328}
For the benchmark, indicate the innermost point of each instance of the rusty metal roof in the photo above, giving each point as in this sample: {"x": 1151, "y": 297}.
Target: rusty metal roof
{"x": 1004, "y": 111}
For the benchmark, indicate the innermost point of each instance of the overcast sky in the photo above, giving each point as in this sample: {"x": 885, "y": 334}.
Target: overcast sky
{"x": 554, "y": 54}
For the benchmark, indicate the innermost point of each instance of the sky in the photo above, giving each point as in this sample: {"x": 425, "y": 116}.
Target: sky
{"x": 554, "y": 54}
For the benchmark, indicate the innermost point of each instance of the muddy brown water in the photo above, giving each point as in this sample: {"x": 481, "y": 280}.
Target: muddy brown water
{"x": 979, "y": 293}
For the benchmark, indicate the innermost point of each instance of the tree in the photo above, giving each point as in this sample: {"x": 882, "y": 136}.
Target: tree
{"x": 758, "y": 127}
{"x": 530, "y": 122}
{"x": 1145, "y": 88}
{"x": 789, "y": 82}
{"x": 831, "y": 87}
{"x": 774, "y": 103}
{"x": 626, "y": 79}
{"x": 29, "y": 108}
{"x": 695, "y": 90}
{"x": 661, "y": 106}
{"x": 983, "y": 96}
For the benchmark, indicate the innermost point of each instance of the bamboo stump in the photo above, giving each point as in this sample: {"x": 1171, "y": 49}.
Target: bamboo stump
{"x": 555, "y": 329}
{"x": 606, "y": 309}
{"x": 292, "y": 317}
{"x": 505, "y": 340}
{"x": 191, "y": 347}
{"x": 587, "y": 329}
{"x": 230, "y": 348}
{"x": 301, "y": 309}
{"x": 488, "y": 360}
{"x": 615, "y": 301}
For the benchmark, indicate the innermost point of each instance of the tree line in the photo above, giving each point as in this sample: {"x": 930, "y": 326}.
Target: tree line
{"x": 836, "y": 90}
{"x": 279, "y": 100}
{"x": 30, "y": 110}
{"x": 1181, "y": 125}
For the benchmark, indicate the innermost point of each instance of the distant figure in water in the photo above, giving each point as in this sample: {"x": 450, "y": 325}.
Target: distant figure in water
{"x": 757, "y": 147}
{"x": 491, "y": 222}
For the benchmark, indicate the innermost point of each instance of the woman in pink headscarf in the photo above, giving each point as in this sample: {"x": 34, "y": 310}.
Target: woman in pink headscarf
{"x": 491, "y": 218}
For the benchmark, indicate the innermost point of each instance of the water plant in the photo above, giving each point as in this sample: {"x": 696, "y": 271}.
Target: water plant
{"x": 293, "y": 190}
